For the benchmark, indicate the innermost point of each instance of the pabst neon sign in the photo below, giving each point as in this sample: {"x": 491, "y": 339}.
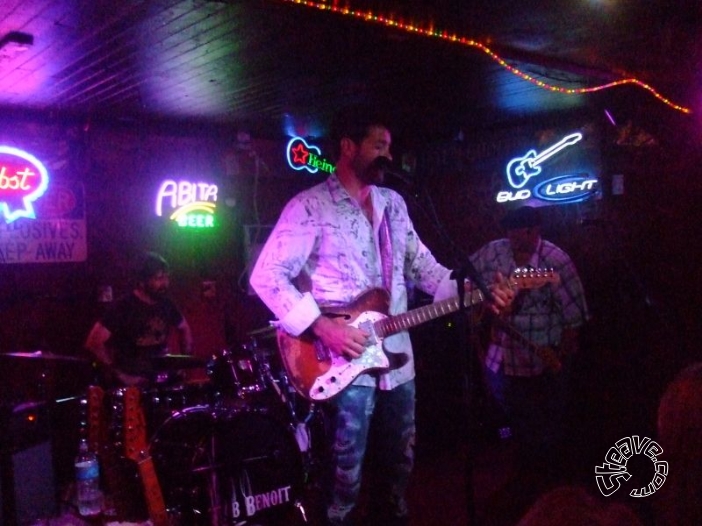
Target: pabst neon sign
{"x": 189, "y": 204}
{"x": 571, "y": 188}
{"x": 23, "y": 180}
{"x": 303, "y": 156}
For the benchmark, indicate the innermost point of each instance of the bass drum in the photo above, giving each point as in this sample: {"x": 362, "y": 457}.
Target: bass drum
{"x": 228, "y": 466}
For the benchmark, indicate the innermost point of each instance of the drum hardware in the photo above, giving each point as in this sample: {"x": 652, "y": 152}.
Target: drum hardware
{"x": 234, "y": 449}
{"x": 238, "y": 375}
{"x": 264, "y": 332}
{"x": 45, "y": 356}
{"x": 170, "y": 362}
{"x": 229, "y": 466}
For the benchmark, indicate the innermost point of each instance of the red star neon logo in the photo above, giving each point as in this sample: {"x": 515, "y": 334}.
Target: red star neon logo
{"x": 300, "y": 154}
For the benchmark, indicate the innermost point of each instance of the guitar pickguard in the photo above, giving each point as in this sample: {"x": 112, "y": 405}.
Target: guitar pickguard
{"x": 343, "y": 371}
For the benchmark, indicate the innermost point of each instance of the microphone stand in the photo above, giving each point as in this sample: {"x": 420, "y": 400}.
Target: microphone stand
{"x": 469, "y": 271}
{"x": 465, "y": 270}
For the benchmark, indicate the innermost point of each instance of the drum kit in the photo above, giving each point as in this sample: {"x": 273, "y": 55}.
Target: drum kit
{"x": 239, "y": 448}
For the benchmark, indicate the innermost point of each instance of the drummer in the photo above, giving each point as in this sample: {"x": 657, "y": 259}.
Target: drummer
{"x": 137, "y": 327}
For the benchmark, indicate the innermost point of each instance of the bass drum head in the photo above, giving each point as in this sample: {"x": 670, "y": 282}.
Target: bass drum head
{"x": 228, "y": 466}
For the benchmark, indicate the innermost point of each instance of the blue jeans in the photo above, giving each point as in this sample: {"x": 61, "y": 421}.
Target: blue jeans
{"x": 388, "y": 417}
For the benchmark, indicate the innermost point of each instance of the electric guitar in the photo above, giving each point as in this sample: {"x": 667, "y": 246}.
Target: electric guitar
{"x": 547, "y": 354}
{"x": 521, "y": 169}
{"x": 318, "y": 374}
{"x": 103, "y": 439}
{"x": 136, "y": 448}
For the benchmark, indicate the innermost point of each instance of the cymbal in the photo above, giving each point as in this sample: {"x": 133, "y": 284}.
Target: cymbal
{"x": 178, "y": 361}
{"x": 45, "y": 355}
{"x": 263, "y": 332}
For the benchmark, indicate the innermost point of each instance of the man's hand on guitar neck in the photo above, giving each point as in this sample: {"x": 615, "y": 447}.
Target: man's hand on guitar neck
{"x": 502, "y": 293}
{"x": 340, "y": 338}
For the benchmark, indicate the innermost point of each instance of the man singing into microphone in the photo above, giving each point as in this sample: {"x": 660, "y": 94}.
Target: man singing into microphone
{"x": 332, "y": 243}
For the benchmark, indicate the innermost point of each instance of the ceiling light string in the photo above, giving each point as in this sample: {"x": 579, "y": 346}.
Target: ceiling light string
{"x": 369, "y": 16}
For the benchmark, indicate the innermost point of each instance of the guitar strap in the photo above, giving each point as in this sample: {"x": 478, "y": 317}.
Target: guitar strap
{"x": 386, "y": 250}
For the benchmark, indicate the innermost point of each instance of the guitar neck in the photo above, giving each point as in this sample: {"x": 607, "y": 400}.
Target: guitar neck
{"x": 513, "y": 333}
{"x": 152, "y": 492}
{"x": 136, "y": 448}
{"x": 420, "y": 315}
{"x": 546, "y": 353}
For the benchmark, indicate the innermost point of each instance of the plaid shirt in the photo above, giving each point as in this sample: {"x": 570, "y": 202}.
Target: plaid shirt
{"x": 324, "y": 252}
{"x": 538, "y": 314}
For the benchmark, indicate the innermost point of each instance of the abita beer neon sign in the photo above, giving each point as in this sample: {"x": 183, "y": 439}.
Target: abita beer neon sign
{"x": 570, "y": 188}
{"x": 190, "y": 204}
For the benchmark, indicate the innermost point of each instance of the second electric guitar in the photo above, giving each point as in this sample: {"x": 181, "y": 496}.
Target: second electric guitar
{"x": 319, "y": 374}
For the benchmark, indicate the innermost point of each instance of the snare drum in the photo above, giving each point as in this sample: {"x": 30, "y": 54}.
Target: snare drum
{"x": 162, "y": 402}
{"x": 228, "y": 466}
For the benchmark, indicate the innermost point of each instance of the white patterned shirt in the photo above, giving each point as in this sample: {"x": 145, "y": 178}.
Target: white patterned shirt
{"x": 323, "y": 252}
{"x": 539, "y": 314}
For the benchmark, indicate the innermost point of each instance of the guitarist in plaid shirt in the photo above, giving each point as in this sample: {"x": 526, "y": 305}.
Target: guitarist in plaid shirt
{"x": 532, "y": 390}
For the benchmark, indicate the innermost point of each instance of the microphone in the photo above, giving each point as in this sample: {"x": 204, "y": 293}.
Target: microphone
{"x": 386, "y": 165}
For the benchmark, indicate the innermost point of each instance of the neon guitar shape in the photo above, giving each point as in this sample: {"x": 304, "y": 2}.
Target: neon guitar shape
{"x": 521, "y": 169}
{"x": 319, "y": 374}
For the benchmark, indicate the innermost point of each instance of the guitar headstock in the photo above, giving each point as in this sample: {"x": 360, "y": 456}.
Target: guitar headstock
{"x": 533, "y": 278}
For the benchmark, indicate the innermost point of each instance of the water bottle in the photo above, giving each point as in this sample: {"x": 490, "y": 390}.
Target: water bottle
{"x": 88, "y": 494}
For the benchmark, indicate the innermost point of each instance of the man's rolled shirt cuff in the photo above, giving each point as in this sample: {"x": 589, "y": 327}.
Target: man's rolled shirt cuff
{"x": 301, "y": 316}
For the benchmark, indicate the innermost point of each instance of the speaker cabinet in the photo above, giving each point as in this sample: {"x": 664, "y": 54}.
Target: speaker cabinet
{"x": 27, "y": 485}
{"x": 28, "y": 489}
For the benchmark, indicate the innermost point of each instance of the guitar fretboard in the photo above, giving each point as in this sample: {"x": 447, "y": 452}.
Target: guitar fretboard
{"x": 409, "y": 319}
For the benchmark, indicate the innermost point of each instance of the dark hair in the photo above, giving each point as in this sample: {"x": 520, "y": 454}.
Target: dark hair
{"x": 147, "y": 265}
{"x": 354, "y": 122}
{"x": 524, "y": 217}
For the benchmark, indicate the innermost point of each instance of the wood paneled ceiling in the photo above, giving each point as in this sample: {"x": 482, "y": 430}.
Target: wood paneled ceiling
{"x": 275, "y": 64}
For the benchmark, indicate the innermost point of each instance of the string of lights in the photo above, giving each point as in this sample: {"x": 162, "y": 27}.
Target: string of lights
{"x": 370, "y": 17}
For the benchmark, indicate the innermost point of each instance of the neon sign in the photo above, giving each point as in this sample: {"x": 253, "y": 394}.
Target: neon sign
{"x": 567, "y": 189}
{"x": 23, "y": 180}
{"x": 303, "y": 156}
{"x": 570, "y": 188}
{"x": 521, "y": 169}
{"x": 192, "y": 205}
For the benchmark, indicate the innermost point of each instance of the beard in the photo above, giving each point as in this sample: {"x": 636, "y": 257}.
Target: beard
{"x": 368, "y": 172}
{"x": 156, "y": 293}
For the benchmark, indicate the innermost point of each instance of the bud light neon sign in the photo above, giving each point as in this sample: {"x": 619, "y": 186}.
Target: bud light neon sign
{"x": 303, "y": 156}
{"x": 566, "y": 189}
{"x": 23, "y": 180}
{"x": 523, "y": 174}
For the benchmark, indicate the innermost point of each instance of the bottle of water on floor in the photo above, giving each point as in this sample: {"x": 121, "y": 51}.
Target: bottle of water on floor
{"x": 88, "y": 494}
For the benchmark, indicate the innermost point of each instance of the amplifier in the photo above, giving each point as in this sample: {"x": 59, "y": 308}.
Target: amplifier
{"x": 27, "y": 487}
